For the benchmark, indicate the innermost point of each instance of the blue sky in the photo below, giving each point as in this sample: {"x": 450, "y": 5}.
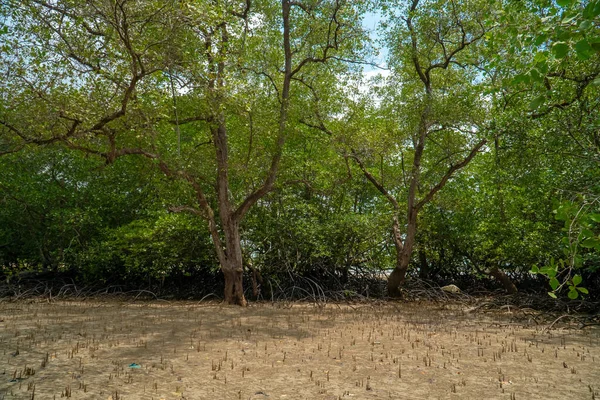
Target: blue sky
{"x": 371, "y": 22}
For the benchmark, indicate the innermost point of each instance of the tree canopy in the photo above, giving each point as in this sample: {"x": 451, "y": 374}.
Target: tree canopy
{"x": 212, "y": 140}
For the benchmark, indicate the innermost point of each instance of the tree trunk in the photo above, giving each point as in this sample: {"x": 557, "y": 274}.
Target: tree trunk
{"x": 504, "y": 280}
{"x": 230, "y": 257}
{"x": 395, "y": 280}
{"x": 403, "y": 253}
{"x": 398, "y": 275}
{"x": 232, "y": 267}
{"x": 234, "y": 288}
{"x": 232, "y": 264}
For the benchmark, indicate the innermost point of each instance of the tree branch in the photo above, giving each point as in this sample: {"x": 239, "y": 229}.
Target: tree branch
{"x": 449, "y": 174}
{"x": 374, "y": 180}
{"x": 332, "y": 40}
{"x": 191, "y": 210}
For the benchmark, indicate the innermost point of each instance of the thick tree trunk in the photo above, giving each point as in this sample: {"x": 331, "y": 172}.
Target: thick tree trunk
{"x": 234, "y": 288}
{"x": 395, "y": 280}
{"x": 508, "y": 285}
{"x": 232, "y": 265}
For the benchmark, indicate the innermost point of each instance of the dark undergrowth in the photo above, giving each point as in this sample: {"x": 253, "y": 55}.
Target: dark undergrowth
{"x": 319, "y": 286}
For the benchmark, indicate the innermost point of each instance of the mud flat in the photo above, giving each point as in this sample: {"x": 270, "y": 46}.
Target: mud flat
{"x": 178, "y": 350}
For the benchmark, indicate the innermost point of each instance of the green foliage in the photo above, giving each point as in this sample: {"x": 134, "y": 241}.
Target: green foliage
{"x": 546, "y": 43}
{"x": 320, "y": 232}
{"x": 580, "y": 244}
{"x": 63, "y": 213}
{"x": 151, "y": 249}
{"x": 87, "y": 83}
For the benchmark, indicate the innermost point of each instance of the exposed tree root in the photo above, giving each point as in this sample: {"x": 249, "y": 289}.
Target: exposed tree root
{"x": 356, "y": 289}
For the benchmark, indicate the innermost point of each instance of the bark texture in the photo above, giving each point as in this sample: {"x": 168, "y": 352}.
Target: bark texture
{"x": 234, "y": 286}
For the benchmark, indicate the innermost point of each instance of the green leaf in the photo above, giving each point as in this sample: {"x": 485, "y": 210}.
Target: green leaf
{"x": 537, "y": 102}
{"x": 585, "y": 25}
{"x": 587, "y": 233}
{"x": 542, "y": 66}
{"x": 583, "y": 49}
{"x": 588, "y": 11}
{"x": 540, "y": 39}
{"x": 560, "y": 49}
{"x": 554, "y": 283}
{"x": 539, "y": 57}
{"x": 552, "y": 294}
{"x": 536, "y": 76}
{"x": 583, "y": 290}
{"x": 561, "y": 215}
{"x": 591, "y": 243}
{"x": 577, "y": 280}
{"x": 563, "y": 3}
{"x": 535, "y": 269}
{"x": 596, "y": 82}
{"x": 573, "y": 294}
{"x": 544, "y": 270}
{"x": 592, "y": 10}
{"x": 521, "y": 78}
{"x": 595, "y": 43}
{"x": 594, "y": 217}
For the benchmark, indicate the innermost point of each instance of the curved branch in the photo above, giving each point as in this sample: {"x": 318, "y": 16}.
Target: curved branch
{"x": 449, "y": 174}
{"x": 191, "y": 210}
{"x": 374, "y": 180}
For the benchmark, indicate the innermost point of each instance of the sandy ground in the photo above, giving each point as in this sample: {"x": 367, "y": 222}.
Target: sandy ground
{"x": 160, "y": 350}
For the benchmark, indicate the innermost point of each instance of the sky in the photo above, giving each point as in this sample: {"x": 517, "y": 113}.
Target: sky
{"x": 371, "y": 20}
{"x": 371, "y": 23}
